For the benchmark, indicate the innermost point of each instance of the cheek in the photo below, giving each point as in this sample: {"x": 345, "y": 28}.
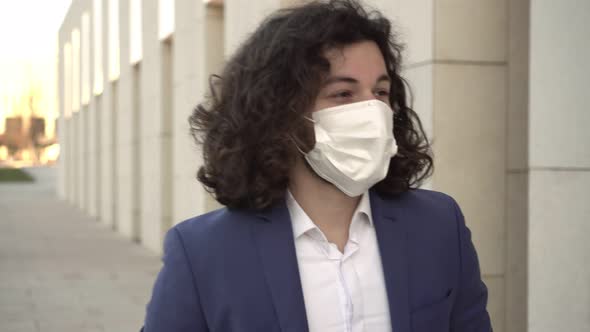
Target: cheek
{"x": 321, "y": 103}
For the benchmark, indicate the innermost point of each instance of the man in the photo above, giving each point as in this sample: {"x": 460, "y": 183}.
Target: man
{"x": 310, "y": 145}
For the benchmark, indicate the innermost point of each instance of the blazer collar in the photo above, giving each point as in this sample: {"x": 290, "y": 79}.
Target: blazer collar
{"x": 390, "y": 225}
{"x": 273, "y": 236}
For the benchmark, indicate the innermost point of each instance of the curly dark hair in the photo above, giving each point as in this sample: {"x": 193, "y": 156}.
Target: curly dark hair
{"x": 257, "y": 106}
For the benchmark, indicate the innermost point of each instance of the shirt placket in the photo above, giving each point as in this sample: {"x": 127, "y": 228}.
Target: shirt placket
{"x": 347, "y": 279}
{"x": 347, "y": 283}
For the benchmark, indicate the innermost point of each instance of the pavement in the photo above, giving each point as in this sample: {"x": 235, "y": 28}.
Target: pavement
{"x": 61, "y": 270}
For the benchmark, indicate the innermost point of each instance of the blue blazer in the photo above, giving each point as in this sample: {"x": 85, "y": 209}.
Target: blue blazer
{"x": 232, "y": 270}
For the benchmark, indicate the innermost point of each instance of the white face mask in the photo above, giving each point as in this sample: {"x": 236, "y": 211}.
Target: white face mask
{"x": 354, "y": 145}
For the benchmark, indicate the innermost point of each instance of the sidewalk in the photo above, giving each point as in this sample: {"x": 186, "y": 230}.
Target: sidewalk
{"x": 63, "y": 271}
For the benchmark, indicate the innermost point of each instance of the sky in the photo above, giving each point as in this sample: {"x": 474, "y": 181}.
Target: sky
{"x": 28, "y": 41}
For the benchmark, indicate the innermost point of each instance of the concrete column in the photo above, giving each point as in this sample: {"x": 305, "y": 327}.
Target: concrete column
{"x": 456, "y": 65}
{"x": 124, "y": 131}
{"x": 66, "y": 74}
{"x": 413, "y": 23}
{"x": 193, "y": 64}
{"x": 105, "y": 162}
{"x": 93, "y": 160}
{"x": 76, "y": 26}
{"x": 62, "y": 183}
{"x": 165, "y": 136}
{"x": 98, "y": 110}
{"x": 469, "y": 128}
{"x": 75, "y": 159}
{"x": 91, "y": 131}
{"x": 559, "y": 167}
{"x": 136, "y": 148}
{"x": 84, "y": 98}
{"x": 190, "y": 39}
{"x": 241, "y": 20}
{"x": 69, "y": 159}
{"x": 155, "y": 139}
{"x": 82, "y": 157}
{"x": 61, "y": 178}
{"x": 107, "y": 133}
{"x": 517, "y": 160}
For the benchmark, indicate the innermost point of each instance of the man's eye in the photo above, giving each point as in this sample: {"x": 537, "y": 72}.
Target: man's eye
{"x": 382, "y": 93}
{"x": 341, "y": 94}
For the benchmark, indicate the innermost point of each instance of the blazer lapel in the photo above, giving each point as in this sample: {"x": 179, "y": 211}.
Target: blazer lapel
{"x": 392, "y": 237}
{"x": 274, "y": 240}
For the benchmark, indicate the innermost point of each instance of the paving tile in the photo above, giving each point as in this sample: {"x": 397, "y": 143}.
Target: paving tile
{"x": 60, "y": 270}
{"x": 19, "y": 326}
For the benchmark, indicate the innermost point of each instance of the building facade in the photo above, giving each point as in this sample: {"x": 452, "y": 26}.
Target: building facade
{"x": 498, "y": 84}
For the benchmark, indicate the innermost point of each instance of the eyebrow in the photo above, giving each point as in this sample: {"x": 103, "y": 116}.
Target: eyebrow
{"x": 346, "y": 79}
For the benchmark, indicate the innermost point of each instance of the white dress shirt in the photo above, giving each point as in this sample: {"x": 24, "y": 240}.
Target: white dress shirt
{"x": 343, "y": 291}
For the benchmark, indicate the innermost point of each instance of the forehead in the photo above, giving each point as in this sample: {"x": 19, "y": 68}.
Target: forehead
{"x": 361, "y": 58}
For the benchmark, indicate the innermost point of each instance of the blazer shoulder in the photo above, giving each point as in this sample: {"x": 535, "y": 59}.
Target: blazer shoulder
{"x": 213, "y": 226}
{"x": 426, "y": 211}
{"x": 429, "y": 200}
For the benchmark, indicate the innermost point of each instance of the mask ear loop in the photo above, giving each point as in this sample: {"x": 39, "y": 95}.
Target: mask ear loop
{"x": 293, "y": 140}
{"x": 309, "y": 119}
{"x": 305, "y": 117}
{"x": 297, "y": 146}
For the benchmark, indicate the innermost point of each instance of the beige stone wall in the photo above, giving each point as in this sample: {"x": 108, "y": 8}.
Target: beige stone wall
{"x": 152, "y": 133}
{"x": 125, "y": 132}
{"x": 516, "y": 176}
{"x": 559, "y": 167}
{"x": 456, "y": 65}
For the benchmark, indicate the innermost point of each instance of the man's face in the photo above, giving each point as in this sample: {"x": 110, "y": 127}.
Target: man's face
{"x": 357, "y": 73}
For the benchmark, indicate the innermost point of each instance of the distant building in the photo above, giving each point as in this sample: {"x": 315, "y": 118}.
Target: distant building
{"x": 14, "y": 137}
{"x": 14, "y": 126}
{"x": 25, "y": 140}
{"x": 37, "y": 130}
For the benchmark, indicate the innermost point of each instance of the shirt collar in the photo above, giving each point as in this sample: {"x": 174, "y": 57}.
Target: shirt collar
{"x": 301, "y": 222}
{"x": 364, "y": 207}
